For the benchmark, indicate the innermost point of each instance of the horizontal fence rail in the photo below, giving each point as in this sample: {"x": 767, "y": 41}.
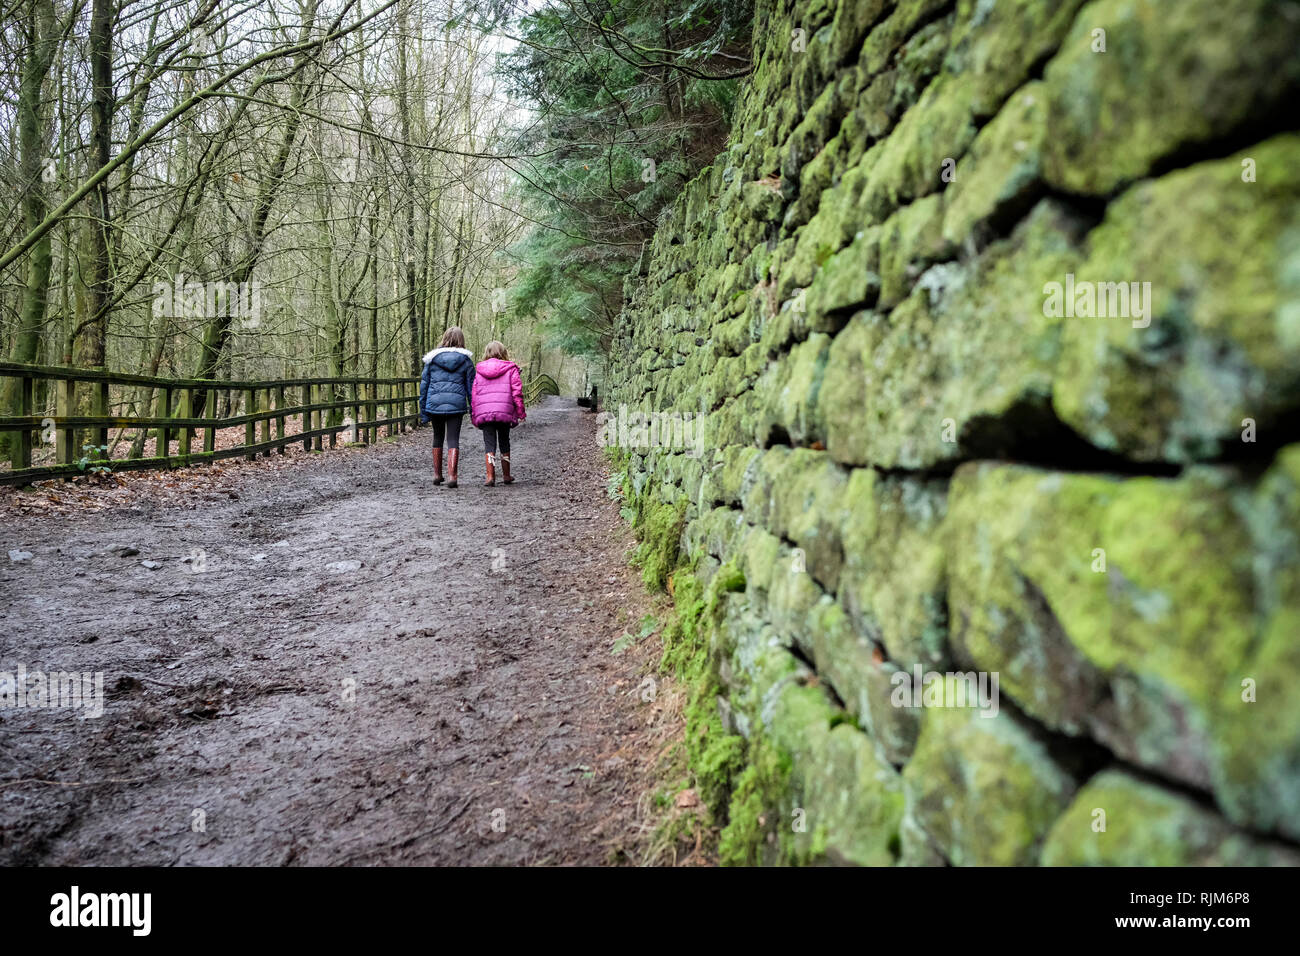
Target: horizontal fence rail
{"x": 268, "y": 403}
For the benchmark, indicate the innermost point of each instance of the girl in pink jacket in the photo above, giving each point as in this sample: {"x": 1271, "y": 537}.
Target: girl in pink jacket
{"x": 496, "y": 406}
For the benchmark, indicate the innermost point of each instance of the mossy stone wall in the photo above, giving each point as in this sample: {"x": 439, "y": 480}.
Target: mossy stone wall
{"x": 911, "y": 459}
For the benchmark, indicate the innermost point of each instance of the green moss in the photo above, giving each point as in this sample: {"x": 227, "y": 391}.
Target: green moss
{"x": 813, "y": 132}
{"x": 894, "y": 581}
{"x": 1119, "y": 820}
{"x": 800, "y": 496}
{"x": 892, "y": 382}
{"x": 940, "y": 126}
{"x": 910, "y": 240}
{"x": 659, "y": 526}
{"x": 984, "y": 790}
{"x": 889, "y": 35}
{"x": 729, "y": 580}
{"x": 754, "y": 834}
{"x": 1223, "y": 342}
{"x": 727, "y": 481}
{"x": 1002, "y": 169}
{"x": 845, "y": 718}
{"x": 1116, "y": 114}
{"x": 1149, "y": 652}
{"x": 714, "y": 754}
{"x": 848, "y": 279}
{"x": 829, "y": 230}
{"x": 762, "y": 202}
{"x": 791, "y": 405}
{"x": 851, "y": 24}
{"x": 1257, "y": 736}
{"x": 682, "y": 637}
{"x": 995, "y": 45}
{"x": 847, "y": 800}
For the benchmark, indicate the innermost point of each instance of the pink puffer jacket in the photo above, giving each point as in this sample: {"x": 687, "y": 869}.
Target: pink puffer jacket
{"x": 498, "y": 394}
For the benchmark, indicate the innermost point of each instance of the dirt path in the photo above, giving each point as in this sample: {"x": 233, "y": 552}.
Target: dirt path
{"x": 453, "y": 699}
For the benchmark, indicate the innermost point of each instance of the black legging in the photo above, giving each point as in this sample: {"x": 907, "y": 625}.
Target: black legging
{"x": 494, "y": 432}
{"x": 450, "y": 426}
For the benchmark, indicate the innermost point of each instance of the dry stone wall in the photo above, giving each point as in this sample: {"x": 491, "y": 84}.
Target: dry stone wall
{"x": 917, "y": 456}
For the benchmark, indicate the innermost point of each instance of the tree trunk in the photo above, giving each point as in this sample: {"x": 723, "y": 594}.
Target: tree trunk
{"x": 93, "y": 332}
{"x": 34, "y": 160}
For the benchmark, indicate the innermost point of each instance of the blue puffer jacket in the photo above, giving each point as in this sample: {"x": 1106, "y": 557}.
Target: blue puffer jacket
{"x": 446, "y": 383}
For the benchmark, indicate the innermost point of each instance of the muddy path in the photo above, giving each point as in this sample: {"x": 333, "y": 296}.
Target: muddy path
{"x": 335, "y": 663}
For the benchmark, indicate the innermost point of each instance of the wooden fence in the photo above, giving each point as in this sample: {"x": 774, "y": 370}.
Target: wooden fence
{"x": 267, "y": 404}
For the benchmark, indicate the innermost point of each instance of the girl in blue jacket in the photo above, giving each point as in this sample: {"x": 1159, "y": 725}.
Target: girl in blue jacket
{"x": 445, "y": 388}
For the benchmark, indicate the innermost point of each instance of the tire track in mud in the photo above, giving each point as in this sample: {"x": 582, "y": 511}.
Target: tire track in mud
{"x": 451, "y": 700}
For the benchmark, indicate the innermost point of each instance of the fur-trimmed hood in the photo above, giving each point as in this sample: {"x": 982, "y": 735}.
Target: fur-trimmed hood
{"x": 429, "y": 358}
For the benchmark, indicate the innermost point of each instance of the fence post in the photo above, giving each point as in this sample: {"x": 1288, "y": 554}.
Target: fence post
{"x": 161, "y": 406}
{"x": 250, "y": 427}
{"x": 171, "y": 432}
{"x": 309, "y": 416}
{"x": 318, "y": 392}
{"x": 99, "y": 407}
{"x": 372, "y": 411}
{"x": 64, "y": 396}
{"x": 21, "y": 455}
{"x": 266, "y": 422}
{"x": 210, "y": 413}
{"x": 279, "y": 419}
{"x": 161, "y": 438}
{"x": 329, "y": 394}
{"x": 304, "y": 399}
{"x": 187, "y": 430}
{"x": 20, "y": 450}
{"x": 356, "y": 411}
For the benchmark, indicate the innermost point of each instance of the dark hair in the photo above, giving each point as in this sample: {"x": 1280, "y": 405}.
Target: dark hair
{"x": 453, "y": 338}
{"x": 496, "y": 350}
